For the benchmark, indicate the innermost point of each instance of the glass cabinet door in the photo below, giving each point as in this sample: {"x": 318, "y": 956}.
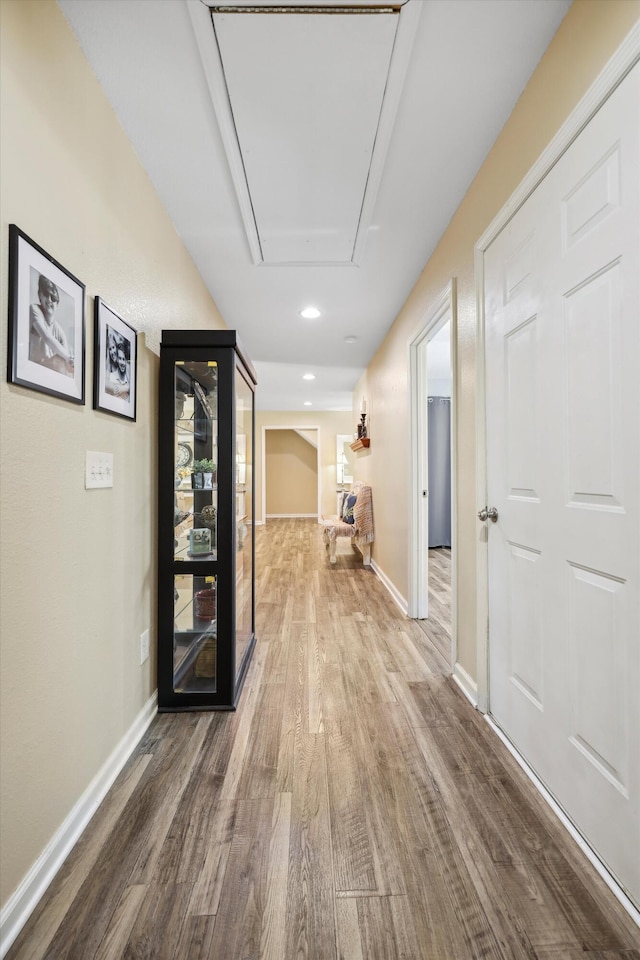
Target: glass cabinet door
{"x": 244, "y": 517}
{"x": 195, "y": 514}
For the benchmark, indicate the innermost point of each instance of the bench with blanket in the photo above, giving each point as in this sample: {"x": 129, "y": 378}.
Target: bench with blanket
{"x": 356, "y": 522}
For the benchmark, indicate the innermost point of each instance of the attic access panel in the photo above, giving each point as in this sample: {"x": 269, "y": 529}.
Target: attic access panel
{"x": 300, "y": 99}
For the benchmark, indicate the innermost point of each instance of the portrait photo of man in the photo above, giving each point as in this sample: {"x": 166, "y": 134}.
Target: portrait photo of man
{"x": 50, "y": 325}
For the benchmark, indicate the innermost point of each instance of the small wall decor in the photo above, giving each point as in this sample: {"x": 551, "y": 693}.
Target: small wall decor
{"x": 46, "y": 322}
{"x": 362, "y": 426}
{"x": 115, "y": 363}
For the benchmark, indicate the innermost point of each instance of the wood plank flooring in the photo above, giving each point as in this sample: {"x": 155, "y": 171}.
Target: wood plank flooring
{"x": 437, "y": 627}
{"x": 355, "y": 807}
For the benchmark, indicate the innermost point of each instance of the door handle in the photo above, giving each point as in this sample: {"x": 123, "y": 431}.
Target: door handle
{"x": 488, "y": 513}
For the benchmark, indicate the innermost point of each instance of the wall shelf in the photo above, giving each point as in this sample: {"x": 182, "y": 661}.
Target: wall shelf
{"x": 360, "y": 444}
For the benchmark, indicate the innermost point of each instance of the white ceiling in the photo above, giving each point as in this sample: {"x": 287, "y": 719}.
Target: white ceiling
{"x": 449, "y": 91}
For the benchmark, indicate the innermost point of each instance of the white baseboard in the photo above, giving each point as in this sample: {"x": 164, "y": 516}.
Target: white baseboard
{"x": 291, "y": 516}
{"x": 466, "y": 683}
{"x": 395, "y": 594}
{"x": 588, "y": 851}
{"x": 24, "y": 900}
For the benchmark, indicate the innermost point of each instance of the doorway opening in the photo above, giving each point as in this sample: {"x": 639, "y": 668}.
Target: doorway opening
{"x": 432, "y": 599}
{"x": 290, "y": 471}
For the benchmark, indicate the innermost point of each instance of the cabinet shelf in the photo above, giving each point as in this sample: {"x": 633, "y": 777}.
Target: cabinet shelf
{"x": 189, "y": 644}
{"x": 360, "y": 444}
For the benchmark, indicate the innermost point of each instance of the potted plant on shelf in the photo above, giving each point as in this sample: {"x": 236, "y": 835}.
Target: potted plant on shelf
{"x": 202, "y": 474}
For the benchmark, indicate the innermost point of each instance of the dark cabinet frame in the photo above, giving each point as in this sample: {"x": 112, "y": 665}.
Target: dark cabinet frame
{"x": 221, "y": 346}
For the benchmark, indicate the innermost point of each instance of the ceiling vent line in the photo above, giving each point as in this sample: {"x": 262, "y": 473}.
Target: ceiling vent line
{"x": 316, "y": 11}
{"x": 249, "y": 209}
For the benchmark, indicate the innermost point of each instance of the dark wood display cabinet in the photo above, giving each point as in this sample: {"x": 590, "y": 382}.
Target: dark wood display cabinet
{"x": 206, "y": 548}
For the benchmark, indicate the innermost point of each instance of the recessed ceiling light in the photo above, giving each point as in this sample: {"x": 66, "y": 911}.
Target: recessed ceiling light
{"x": 308, "y": 376}
{"x": 310, "y": 313}
{"x": 307, "y": 403}
{"x": 350, "y": 339}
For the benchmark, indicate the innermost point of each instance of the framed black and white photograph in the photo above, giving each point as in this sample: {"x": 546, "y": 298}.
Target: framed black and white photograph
{"x": 115, "y": 363}
{"x": 46, "y": 322}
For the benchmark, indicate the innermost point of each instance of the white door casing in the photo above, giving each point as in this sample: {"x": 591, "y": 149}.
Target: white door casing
{"x": 562, "y": 357}
{"x": 441, "y": 311}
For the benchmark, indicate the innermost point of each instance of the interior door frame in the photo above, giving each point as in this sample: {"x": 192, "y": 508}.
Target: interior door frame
{"x": 263, "y": 466}
{"x": 443, "y": 309}
{"x": 613, "y": 73}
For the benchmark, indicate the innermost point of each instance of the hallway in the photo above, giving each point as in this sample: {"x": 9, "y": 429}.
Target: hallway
{"x": 355, "y": 807}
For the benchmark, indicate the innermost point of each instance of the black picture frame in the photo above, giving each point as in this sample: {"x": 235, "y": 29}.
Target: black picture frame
{"x": 115, "y": 363}
{"x": 46, "y": 348}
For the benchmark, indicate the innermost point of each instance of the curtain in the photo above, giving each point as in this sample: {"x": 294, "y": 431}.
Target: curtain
{"x": 439, "y": 422}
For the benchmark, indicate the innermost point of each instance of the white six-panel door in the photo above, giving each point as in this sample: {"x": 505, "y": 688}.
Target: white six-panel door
{"x": 562, "y": 314}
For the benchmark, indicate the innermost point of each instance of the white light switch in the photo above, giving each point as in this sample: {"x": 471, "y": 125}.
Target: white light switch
{"x": 98, "y": 470}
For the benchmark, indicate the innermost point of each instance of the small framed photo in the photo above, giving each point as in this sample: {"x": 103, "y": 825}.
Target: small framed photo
{"x": 115, "y": 363}
{"x": 46, "y": 322}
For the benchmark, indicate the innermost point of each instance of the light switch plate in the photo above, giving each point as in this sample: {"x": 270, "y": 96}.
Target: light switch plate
{"x": 98, "y": 470}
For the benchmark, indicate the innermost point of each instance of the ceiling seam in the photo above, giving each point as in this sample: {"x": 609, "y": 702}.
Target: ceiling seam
{"x": 235, "y": 129}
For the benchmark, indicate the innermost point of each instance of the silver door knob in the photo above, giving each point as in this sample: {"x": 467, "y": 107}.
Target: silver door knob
{"x": 488, "y": 513}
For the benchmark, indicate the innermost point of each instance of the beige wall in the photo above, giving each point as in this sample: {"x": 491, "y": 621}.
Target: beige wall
{"x": 329, "y": 425}
{"x": 291, "y": 473}
{"x": 587, "y": 38}
{"x": 78, "y": 567}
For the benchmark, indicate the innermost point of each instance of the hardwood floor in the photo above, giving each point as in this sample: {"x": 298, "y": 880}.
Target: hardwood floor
{"x": 355, "y": 807}
{"x": 437, "y": 628}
